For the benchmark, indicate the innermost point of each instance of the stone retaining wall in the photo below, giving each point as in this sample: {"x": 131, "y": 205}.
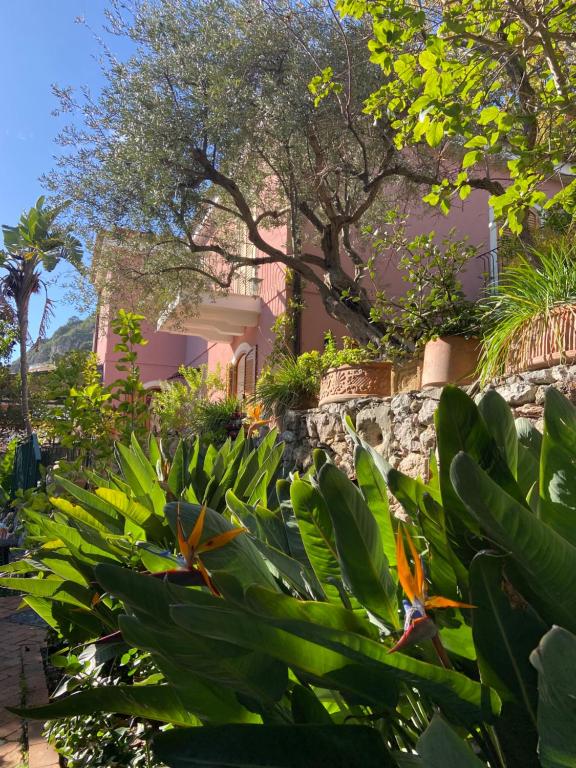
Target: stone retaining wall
{"x": 402, "y": 427}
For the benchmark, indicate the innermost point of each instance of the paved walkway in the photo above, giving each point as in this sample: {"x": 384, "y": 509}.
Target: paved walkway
{"x": 22, "y": 681}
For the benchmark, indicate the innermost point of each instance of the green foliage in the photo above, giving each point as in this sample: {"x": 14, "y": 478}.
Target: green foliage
{"x": 496, "y": 79}
{"x": 8, "y": 331}
{"x": 129, "y": 391}
{"x": 294, "y": 382}
{"x": 527, "y": 290}
{"x": 295, "y": 631}
{"x": 34, "y": 245}
{"x": 7, "y": 471}
{"x": 195, "y": 406}
{"x": 94, "y": 740}
{"x": 433, "y": 303}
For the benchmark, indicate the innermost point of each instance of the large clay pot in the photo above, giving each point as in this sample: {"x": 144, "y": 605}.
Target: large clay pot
{"x": 548, "y": 340}
{"x": 450, "y": 360}
{"x": 351, "y": 381}
{"x": 407, "y": 376}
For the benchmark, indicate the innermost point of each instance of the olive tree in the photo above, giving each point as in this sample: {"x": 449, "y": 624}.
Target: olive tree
{"x": 215, "y": 124}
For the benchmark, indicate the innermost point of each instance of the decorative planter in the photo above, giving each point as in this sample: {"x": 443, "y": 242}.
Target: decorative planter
{"x": 450, "y": 360}
{"x": 407, "y": 376}
{"x": 351, "y": 381}
{"x": 548, "y": 340}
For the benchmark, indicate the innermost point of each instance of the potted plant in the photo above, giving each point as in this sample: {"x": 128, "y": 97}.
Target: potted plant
{"x": 353, "y": 372}
{"x": 530, "y": 319}
{"x": 434, "y": 327}
{"x": 289, "y": 383}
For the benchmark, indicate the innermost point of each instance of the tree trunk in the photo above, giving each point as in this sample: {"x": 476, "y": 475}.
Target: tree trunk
{"x": 23, "y": 330}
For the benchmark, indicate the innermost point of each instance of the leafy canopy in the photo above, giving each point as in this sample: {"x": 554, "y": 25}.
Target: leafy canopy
{"x": 489, "y": 84}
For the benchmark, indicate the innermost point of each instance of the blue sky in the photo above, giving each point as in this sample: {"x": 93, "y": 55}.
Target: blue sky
{"x": 41, "y": 45}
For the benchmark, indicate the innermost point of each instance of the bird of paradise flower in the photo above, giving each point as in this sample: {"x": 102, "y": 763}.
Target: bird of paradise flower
{"x": 191, "y": 547}
{"x": 418, "y": 625}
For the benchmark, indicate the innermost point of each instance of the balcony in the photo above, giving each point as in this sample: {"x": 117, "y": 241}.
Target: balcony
{"x": 218, "y": 317}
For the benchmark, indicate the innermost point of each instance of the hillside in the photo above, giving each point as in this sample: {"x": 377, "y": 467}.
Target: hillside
{"x": 75, "y": 334}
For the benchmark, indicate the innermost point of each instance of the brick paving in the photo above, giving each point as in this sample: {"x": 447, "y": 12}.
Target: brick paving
{"x": 22, "y": 681}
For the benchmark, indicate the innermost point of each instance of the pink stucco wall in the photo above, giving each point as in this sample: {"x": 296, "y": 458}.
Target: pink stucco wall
{"x": 158, "y": 360}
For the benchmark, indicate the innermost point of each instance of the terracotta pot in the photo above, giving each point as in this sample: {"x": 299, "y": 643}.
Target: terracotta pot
{"x": 407, "y": 376}
{"x": 548, "y": 340}
{"x": 450, "y": 360}
{"x": 351, "y": 381}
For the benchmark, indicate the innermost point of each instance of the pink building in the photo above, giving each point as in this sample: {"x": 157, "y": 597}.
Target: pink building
{"x": 235, "y": 331}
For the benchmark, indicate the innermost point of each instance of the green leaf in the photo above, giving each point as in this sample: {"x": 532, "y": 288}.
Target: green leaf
{"x": 152, "y": 702}
{"x": 273, "y": 746}
{"x": 460, "y": 427}
{"x": 440, "y": 747}
{"x": 141, "y": 516}
{"x": 555, "y": 660}
{"x": 372, "y": 483}
{"x": 499, "y": 421}
{"x": 505, "y": 630}
{"x": 359, "y": 545}
{"x": 434, "y": 133}
{"x": 317, "y": 535}
{"x": 558, "y": 466}
{"x": 98, "y": 508}
{"x": 546, "y": 561}
{"x": 307, "y": 707}
{"x": 345, "y": 661}
{"x": 178, "y": 477}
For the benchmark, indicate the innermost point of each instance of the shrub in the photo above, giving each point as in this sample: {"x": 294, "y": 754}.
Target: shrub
{"x": 527, "y": 290}
{"x": 180, "y": 406}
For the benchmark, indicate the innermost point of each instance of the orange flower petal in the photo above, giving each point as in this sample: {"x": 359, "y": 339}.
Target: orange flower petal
{"x": 219, "y": 541}
{"x": 444, "y": 602}
{"x": 418, "y": 570}
{"x": 207, "y": 580}
{"x": 194, "y": 538}
{"x": 182, "y": 541}
{"x": 404, "y": 573}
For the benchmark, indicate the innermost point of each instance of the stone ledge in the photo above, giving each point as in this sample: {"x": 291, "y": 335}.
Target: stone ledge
{"x": 400, "y": 427}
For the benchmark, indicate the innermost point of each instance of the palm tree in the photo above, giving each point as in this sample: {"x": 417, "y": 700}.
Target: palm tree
{"x": 34, "y": 245}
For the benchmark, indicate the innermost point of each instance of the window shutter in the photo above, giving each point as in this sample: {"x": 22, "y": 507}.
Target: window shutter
{"x": 240, "y": 377}
{"x": 250, "y": 373}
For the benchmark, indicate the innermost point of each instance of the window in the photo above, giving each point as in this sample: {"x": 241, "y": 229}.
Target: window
{"x": 242, "y": 375}
{"x": 504, "y": 245}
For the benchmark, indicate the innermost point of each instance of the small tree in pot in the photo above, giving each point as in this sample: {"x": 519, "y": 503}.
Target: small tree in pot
{"x": 434, "y": 319}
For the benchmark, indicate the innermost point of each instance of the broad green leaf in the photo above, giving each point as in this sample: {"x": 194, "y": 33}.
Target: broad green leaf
{"x": 273, "y": 746}
{"x": 276, "y": 605}
{"x": 506, "y": 629}
{"x": 135, "y": 512}
{"x": 359, "y": 545}
{"x": 373, "y": 486}
{"x": 98, "y": 508}
{"x": 555, "y": 661}
{"x": 317, "y": 535}
{"x": 307, "y": 707}
{"x": 143, "y": 485}
{"x": 178, "y": 477}
{"x": 546, "y": 560}
{"x": 52, "y": 588}
{"x": 460, "y": 427}
{"x": 558, "y": 466}
{"x": 152, "y": 702}
{"x": 499, "y": 421}
{"x": 75, "y": 512}
{"x": 440, "y": 747}
{"x": 343, "y": 660}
